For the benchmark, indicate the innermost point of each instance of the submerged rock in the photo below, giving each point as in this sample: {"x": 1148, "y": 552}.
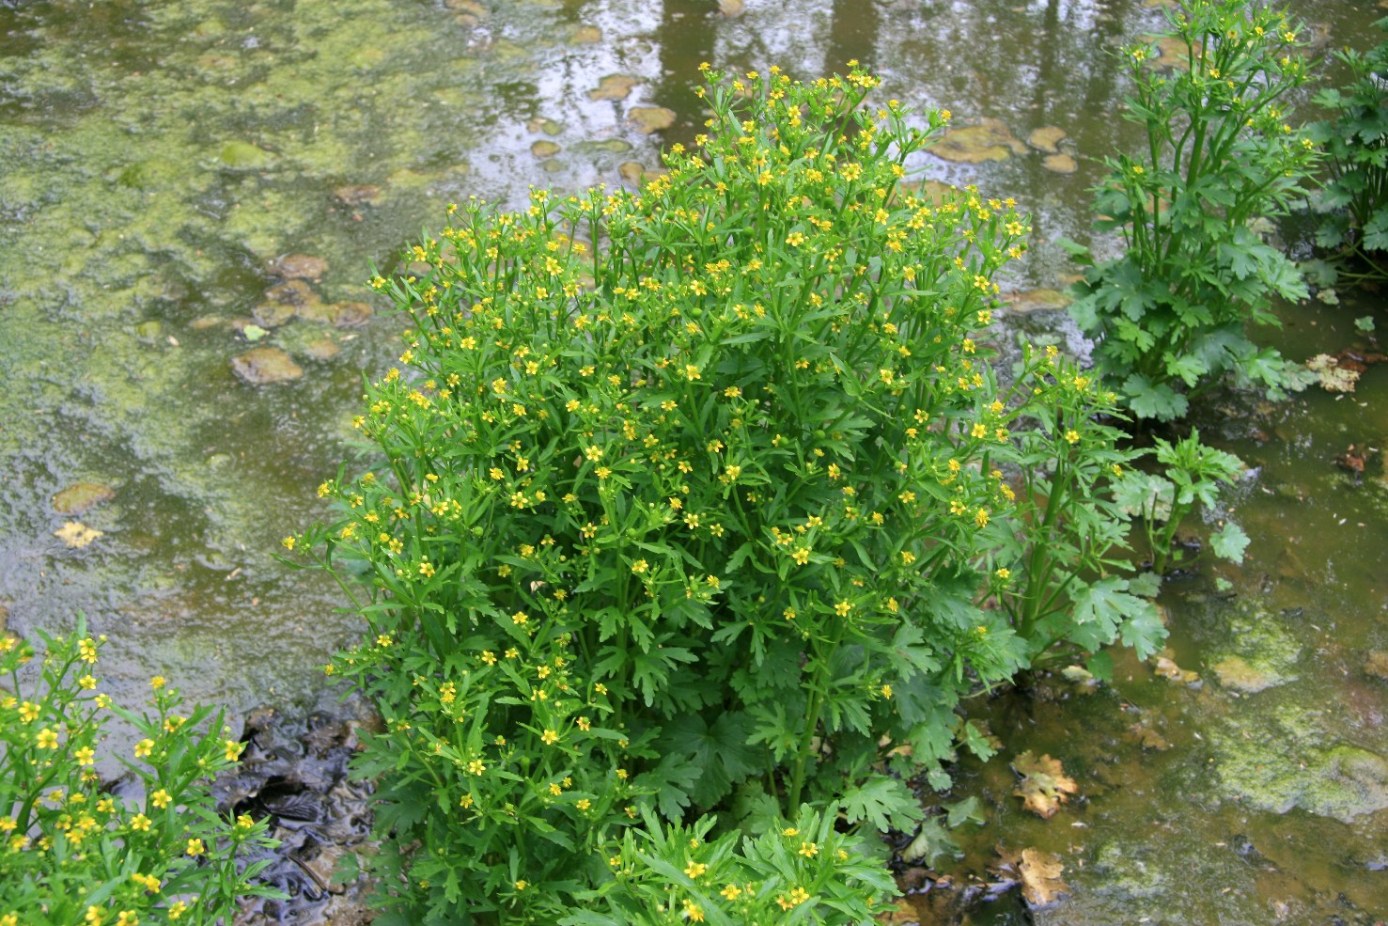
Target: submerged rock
{"x": 990, "y": 140}
{"x": 1036, "y": 300}
{"x": 614, "y": 87}
{"x": 1060, "y": 163}
{"x": 1047, "y": 139}
{"x": 631, "y": 171}
{"x": 586, "y": 35}
{"x": 358, "y": 194}
{"x": 263, "y": 365}
{"x": 272, "y": 314}
{"x": 1238, "y": 674}
{"x": 293, "y": 292}
{"x": 299, "y": 267}
{"x": 544, "y": 149}
{"x": 82, "y": 496}
{"x": 649, "y": 119}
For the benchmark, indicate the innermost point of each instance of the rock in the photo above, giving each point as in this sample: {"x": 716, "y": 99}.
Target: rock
{"x": 299, "y": 267}
{"x": 1376, "y": 664}
{"x": 648, "y": 119}
{"x": 1238, "y": 674}
{"x": 586, "y": 35}
{"x": 1060, "y": 163}
{"x": 322, "y": 349}
{"x": 547, "y": 126}
{"x": 631, "y": 172}
{"x": 614, "y": 87}
{"x": 204, "y": 322}
{"x": 990, "y": 140}
{"x": 732, "y": 8}
{"x": 1046, "y": 139}
{"x": 243, "y": 155}
{"x": 544, "y": 149}
{"x": 272, "y": 314}
{"x": 263, "y": 365}
{"x": 604, "y": 146}
{"x": 350, "y": 314}
{"x": 82, "y": 496}
{"x": 293, "y": 292}
{"x": 358, "y": 194}
{"x": 1036, "y": 300}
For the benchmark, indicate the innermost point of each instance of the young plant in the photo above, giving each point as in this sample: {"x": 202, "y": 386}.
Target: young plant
{"x": 1192, "y": 474}
{"x": 1170, "y": 316}
{"x": 75, "y": 850}
{"x": 1355, "y": 140}
{"x": 728, "y": 446}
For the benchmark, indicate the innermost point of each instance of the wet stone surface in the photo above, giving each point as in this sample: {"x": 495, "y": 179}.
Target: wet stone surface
{"x": 294, "y": 771}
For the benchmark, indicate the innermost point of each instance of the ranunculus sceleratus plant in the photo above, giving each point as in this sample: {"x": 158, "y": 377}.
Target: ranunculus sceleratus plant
{"x": 73, "y": 849}
{"x": 699, "y": 497}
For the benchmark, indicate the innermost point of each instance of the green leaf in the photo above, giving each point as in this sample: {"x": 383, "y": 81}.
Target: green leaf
{"x": 1229, "y": 542}
{"x": 884, "y": 802}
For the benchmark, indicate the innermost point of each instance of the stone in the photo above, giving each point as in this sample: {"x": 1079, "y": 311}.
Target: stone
{"x": 544, "y": 149}
{"x": 272, "y": 314}
{"x": 1036, "y": 300}
{"x": 732, "y": 8}
{"x": 1376, "y": 664}
{"x": 322, "y": 349}
{"x": 82, "y": 496}
{"x": 586, "y": 35}
{"x": 631, "y": 172}
{"x": 990, "y": 140}
{"x": 614, "y": 87}
{"x": 1238, "y": 674}
{"x": 649, "y": 119}
{"x": 264, "y": 365}
{"x": 293, "y": 292}
{"x": 299, "y": 267}
{"x": 1046, "y": 139}
{"x": 1060, "y": 163}
{"x": 358, "y": 194}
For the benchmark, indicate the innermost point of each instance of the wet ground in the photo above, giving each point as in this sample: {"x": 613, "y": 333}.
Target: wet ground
{"x": 193, "y": 193}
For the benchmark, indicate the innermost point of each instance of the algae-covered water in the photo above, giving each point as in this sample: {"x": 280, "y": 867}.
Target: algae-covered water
{"x": 184, "y": 183}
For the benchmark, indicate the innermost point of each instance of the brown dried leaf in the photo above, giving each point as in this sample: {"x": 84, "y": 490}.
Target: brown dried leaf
{"x": 1044, "y": 785}
{"x": 1037, "y": 872}
{"x": 76, "y": 534}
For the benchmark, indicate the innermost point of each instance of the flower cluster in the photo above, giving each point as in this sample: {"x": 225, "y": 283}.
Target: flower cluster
{"x": 72, "y": 850}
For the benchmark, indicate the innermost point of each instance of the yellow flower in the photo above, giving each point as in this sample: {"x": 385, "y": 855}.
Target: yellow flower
{"x": 86, "y": 682}
{"x": 549, "y": 737}
{"x": 693, "y": 911}
{"x": 195, "y": 848}
{"x": 139, "y": 823}
{"x": 233, "y": 750}
{"x": 1072, "y": 436}
{"x": 522, "y": 884}
{"x": 177, "y": 909}
{"x": 95, "y": 917}
{"x": 47, "y": 739}
{"x": 289, "y": 542}
{"x": 143, "y": 748}
{"x": 160, "y": 798}
{"x": 158, "y": 682}
{"x": 731, "y": 892}
{"x": 85, "y": 756}
{"x": 843, "y": 608}
{"x": 809, "y": 849}
{"x": 695, "y": 869}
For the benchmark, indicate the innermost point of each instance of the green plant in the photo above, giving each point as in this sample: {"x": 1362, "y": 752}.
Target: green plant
{"x": 1191, "y": 474}
{"x": 727, "y": 446}
{"x": 74, "y": 851}
{"x": 1170, "y": 314}
{"x": 1355, "y": 140}
{"x": 805, "y": 872}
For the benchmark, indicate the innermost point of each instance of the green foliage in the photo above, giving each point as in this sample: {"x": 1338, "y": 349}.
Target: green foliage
{"x": 73, "y": 851}
{"x": 697, "y": 499}
{"x": 1191, "y": 475}
{"x": 1355, "y": 140}
{"x": 1170, "y": 314}
{"x": 670, "y": 875}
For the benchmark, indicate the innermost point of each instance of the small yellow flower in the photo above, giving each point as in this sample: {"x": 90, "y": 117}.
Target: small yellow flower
{"x": 160, "y": 798}
{"x": 731, "y": 892}
{"x": 1072, "y": 436}
{"x": 195, "y": 848}
{"x": 695, "y": 869}
{"x": 177, "y": 909}
{"x": 158, "y": 682}
{"x": 47, "y": 739}
{"x": 139, "y": 823}
{"x": 549, "y": 737}
{"x": 233, "y": 749}
{"x": 522, "y": 884}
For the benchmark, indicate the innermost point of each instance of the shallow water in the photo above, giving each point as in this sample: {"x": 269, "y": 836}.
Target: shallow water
{"x": 159, "y": 157}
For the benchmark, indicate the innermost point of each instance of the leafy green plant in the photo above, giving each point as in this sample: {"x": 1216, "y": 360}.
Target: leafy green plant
{"x": 1355, "y": 140}
{"x": 76, "y": 851}
{"x": 1192, "y": 474}
{"x": 729, "y": 447}
{"x": 1170, "y": 314}
{"x": 805, "y": 872}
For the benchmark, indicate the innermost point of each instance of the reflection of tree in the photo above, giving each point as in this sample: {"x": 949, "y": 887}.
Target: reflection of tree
{"x": 852, "y": 35}
{"x": 685, "y": 36}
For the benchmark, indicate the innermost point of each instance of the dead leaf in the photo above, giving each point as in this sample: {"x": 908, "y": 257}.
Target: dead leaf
{"x": 1334, "y": 376}
{"x": 1167, "y": 668}
{"x": 1044, "y": 785}
{"x": 1038, "y": 872}
{"x": 76, "y": 534}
